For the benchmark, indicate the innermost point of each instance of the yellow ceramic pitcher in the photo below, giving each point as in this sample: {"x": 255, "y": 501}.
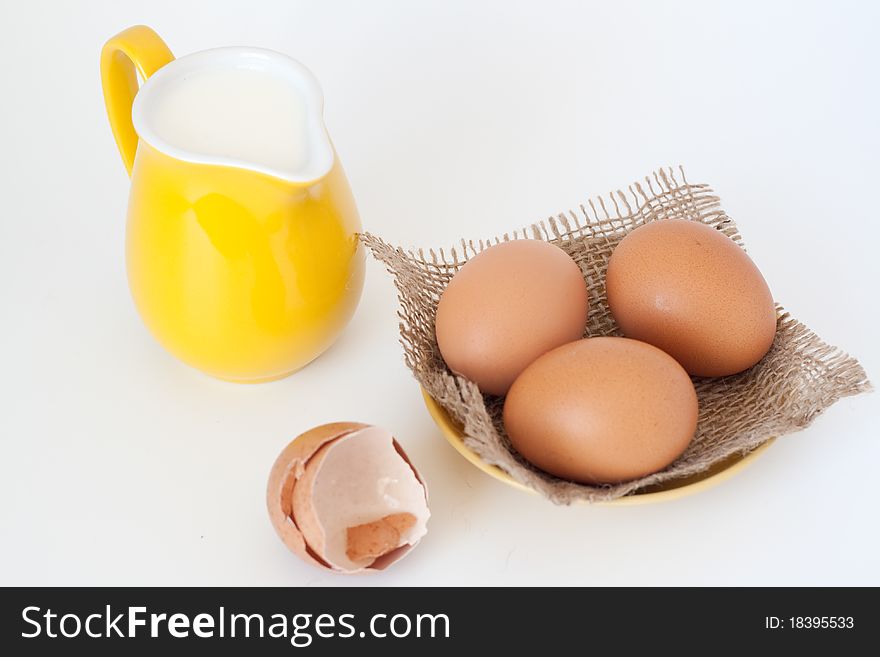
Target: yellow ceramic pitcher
{"x": 246, "y": 269}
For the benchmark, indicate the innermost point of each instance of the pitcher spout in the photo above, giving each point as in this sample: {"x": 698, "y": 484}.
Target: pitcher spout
{"x": 246, "y": 108}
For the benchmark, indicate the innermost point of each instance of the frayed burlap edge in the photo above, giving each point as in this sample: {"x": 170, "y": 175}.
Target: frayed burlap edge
{"x": 797, "y": 380}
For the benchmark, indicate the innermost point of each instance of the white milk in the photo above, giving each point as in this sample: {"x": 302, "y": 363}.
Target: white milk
{"x": 244, "y": 114}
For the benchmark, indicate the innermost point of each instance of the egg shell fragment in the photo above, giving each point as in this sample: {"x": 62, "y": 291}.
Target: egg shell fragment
{"x": 382, "y": 466}
{"x": 372, "y": 540}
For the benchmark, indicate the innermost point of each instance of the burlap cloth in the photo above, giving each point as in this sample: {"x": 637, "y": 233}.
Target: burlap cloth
{"x": 799, "y": 378}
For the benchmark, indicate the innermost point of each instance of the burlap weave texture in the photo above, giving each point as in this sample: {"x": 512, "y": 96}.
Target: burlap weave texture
{"x": 798, "y": 379}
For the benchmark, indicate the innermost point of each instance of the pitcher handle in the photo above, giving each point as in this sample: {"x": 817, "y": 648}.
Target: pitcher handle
{"x": 139, "y": 49}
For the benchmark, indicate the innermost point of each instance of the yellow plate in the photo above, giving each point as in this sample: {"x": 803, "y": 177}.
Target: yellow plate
{"x": 668, "y": 490}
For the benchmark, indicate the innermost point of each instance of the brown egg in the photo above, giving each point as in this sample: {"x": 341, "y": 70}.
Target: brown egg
{"x": 602, "y": 410}
{"x": 692, "y": 291}
{"x": 345, "y": 497}
{"x": 505, "y": 307}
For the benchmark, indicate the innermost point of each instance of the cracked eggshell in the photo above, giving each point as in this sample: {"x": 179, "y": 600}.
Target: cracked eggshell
{"x": 347, "y": 489}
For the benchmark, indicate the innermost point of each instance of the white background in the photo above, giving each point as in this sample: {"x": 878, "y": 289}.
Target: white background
{"x": 121, "y": 466}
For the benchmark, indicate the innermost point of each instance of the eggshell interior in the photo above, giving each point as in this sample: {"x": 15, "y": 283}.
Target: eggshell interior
{"x": 360, "y": 479}
{"x": 396, "y": 493}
